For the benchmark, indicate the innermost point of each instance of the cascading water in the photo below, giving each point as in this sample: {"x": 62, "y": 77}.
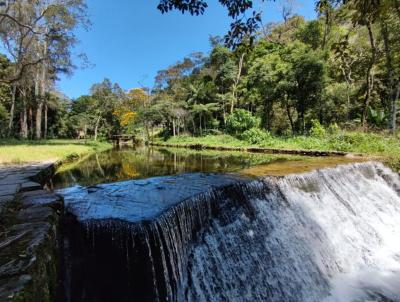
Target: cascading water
{"x": 331, "y": 235}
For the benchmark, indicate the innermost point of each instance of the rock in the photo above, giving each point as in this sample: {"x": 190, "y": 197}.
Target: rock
{"x": 28, "y": 237}
{"x": 4, "y": 200}
{"x": 9, "y": 189}
{"x": 36, "y": 214}
{"x": 12, "y": 179}
{"x": 30, "y": 186}
{"x": 9, "y": 288}
{"x": 28, "y": 261}
{"x": 41, "y": 198}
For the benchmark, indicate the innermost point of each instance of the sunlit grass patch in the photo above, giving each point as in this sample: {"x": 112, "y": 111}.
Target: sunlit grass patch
{"x": 17, "y": 152}
{"x": 373, "y": 144}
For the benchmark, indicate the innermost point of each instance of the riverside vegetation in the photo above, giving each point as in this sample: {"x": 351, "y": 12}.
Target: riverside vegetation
{"x": 331, "y": 83}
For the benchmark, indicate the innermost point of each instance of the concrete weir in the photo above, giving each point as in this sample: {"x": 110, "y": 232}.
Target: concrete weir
{"x": 29, "y": 234}
{"x": 328, "y": 235}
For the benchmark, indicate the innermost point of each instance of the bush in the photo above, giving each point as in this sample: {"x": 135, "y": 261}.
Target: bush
{"x": 333, "y": 129}
{"x": 241, "y": 120}
{"x": 256, "y": 136}
{"x": 317, "y": 130}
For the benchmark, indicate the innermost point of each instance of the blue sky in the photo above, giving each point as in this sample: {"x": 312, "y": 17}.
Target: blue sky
{"x": 129, "y": 41}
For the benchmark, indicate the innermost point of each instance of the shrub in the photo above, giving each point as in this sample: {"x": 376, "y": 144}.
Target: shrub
{"x": 256, "y": 136}
{"x": 241, "y": 120}
{"x": 333, "y": 129}
{"x": 317, "y": 130}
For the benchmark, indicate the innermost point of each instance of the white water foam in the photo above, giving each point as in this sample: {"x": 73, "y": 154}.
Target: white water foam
{"x": 331, "y": 235}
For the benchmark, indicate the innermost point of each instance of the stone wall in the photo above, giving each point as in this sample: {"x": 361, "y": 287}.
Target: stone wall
{"x": 29, "y": 234}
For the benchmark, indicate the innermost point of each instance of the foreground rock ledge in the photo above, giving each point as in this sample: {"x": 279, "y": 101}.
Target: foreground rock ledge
{"x": 29, "y": 234}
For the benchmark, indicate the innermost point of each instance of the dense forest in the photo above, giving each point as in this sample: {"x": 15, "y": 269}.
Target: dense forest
{"x": 341, "y": 70}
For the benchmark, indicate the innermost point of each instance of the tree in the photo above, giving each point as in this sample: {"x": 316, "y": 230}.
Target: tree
{"x": 106, "y": 96}
{"x": 309, "y": 75}
{"x": 241, "y": 120}
{"x": 204, "y": 112}
{"x": 267, "y": 75}
{"x": 242, "y": 27}
{"x": 37, "y": 36}
{"x": 340, "y": 68}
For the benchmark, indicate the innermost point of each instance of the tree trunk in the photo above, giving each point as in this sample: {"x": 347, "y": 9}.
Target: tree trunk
{"x": 201, "y": 129}
{"x": 326, "y": 28}
{"x": 96, "y": 128}
{"x": 224, "y": 113}
{"x": 45, "y": 121}
{"x": 42, "y": 94}
{"x": 173, "y": 127}
{"x": 24, "y": 121}
{"x": 393, "y": 116}
{"x": 392, "y": 106}
{"x": 237, "y": 80}
{"x": 30, "y": 122}
{"x": 38, "y": 129}
{"x": 13, "y": 97}
{"x": 369, "y": 76}
{"x": 146, "y": 128}
{"x": 301, "y": 123}
{"x": 194, "y": 126}
{"x": 289, "y": 114}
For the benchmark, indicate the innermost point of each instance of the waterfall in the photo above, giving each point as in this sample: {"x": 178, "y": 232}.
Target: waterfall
{"x": 331, "y": 235}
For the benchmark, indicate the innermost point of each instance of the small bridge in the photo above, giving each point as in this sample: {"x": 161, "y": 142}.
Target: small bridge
{"x": 123, "y": 139}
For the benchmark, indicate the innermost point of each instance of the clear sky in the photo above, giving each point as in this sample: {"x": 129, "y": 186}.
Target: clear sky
{"x": 130, "y": 40}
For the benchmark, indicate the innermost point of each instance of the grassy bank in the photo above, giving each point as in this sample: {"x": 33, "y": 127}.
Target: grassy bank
{"x": 17, "y": 151}
{"x": 385, "y": 146}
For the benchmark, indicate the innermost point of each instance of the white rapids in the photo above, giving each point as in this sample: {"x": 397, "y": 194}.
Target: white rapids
{"x": 331, "y": 235}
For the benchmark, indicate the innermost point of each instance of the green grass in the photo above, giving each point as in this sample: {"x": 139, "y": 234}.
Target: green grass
{"x": 385, "y": 146}
{"x": 19, "y": 151}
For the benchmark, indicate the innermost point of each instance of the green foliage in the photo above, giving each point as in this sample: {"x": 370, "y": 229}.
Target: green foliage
{"x": 241, "y": 120}
{"x": 256, "y": 136}
{"x": 376, "y": 117}
{"x": 3, "y": 121}
{"x": 333, "y": 129}
{"x": 311, "y": 34}
{"x": 317, "y": 130}
{"x": 388, "y": 147}
{"x": 299, "y": 72}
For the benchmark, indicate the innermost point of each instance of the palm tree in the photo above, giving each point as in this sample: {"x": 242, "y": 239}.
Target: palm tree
{"x": 203, "y": 111}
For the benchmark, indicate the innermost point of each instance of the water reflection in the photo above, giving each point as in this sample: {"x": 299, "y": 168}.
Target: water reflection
{"x": 143, "y": 162}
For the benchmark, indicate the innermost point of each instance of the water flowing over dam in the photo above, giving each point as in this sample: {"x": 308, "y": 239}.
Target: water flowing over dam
{"x": 330, "y": 235}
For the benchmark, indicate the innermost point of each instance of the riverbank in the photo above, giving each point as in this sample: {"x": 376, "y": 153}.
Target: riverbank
{"x": 384, "y": 147}
{"x": 29, "y": 234}
{"x": 21, "y": 152}
{"x": 30, "y": 215}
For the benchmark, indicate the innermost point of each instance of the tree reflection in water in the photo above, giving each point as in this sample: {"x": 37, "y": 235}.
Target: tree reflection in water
{"x": 143, "y": 162}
